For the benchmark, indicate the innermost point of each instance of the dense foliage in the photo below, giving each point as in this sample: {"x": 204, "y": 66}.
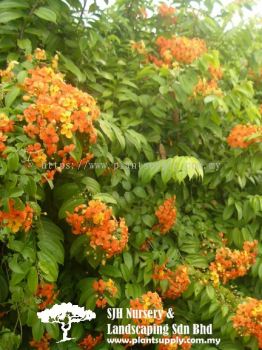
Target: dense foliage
{"x": 131, "y": 165}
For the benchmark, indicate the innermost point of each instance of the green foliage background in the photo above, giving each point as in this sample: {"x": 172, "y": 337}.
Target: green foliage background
{"x": 144, "y": 110}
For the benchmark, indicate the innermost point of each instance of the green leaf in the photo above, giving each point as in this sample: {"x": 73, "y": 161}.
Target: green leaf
{"x": 46, "y": 14}
{"x": 53, "y": 330}
{"x": 148, "y": 220}
{"x": 69, "y": 206}
{"x": 37, "y": 329}
{"x": 13, "y": 162}
{"x": 105, "y": 197}
{"x": 8, "y": 16}
{"x": 140, "y": 192}
{"x": 4, "y": 289}
{"x": 128, "y": 260}
{"x": 228, "y": 212}
{"x": 25, "y": 44}
{"x": 119, "y": 136}
{"x": 210, "y": 292}
{"x": 11, "y": 96}
{"x": 69, "y": 65}
{"x": 8, "y": 4}
{"x": 148, "y": 170}
{"x": 91, "y": 184}
{"x": 32, "y": 280}
{"x": 167, "y": 169}
{"x": 110, "y": 271}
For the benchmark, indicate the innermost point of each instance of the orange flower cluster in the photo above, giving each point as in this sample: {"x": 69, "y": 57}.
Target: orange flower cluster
{"x": 166, "y": 215}
{"x": 58, "y": 111}
{"x": 176, "y": 346}
{"x": 178, "y": 281}
{"x": 166, "y": 11}
{"x": 89, "y": 342}
{"x": 180, "y": 49}
{"x": 139, "y": 47}
{"x": 148, "y": 301}
{"x": 47, "y": 293}
{"x": 3, "y": 138}
{"x": 215, "y": 72}
{"x": 97, "y": 222}
{"x": 42, "y": 344}
{"x": 206, "y": 87}
{"x": 248, "y": 319}
{"x": 102, "y": 287}
{"x": 16, "y": 219}
{"x": 239, "y": 134}
{"x": 6, "y": 126}
{"x": 230, "y": 264}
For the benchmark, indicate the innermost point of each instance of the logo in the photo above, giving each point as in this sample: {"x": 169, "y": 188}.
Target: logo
{"x": 65, "y": 314}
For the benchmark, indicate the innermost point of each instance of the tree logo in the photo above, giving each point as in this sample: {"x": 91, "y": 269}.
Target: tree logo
{"x": 65, "y": 314}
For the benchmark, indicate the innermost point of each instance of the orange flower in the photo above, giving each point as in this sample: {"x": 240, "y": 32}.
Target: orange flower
{"x": 239, "y": 134}
{"x": 89, "y": 342}
{"x": 248, "y": 319}
{"x": 139, "y": 47}
{"x": 180, "y": 49}
{"x": 6, "y": 125}
{"x": 97, "y": 222}
{"x": 46, "y": 292}
{"x": 166, "y": 215}
{"x": 37, "y": 154}
{"x": 166, "y": 11}
{"x": 215, "y": 72}
{"x": 207, "y": 87}
{"x": 40, "y": 54}
{"x": 102, "y": 287}
{"x": 148, "y": 301}
{"x": 43, "y": 344}
{"x": 16, "y": 219}
{"x": 231, "y": 264}
{"x": 3, "y": 138}
{"x": 178, "y": 281}
{"x": 57, "y": 112}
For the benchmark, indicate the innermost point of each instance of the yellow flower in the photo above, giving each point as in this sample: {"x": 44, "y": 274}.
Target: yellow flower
{"x": 65, "y": 117}
{"x": 68, "y": 102}
{"x": 14, "y": 225}
{"x": 67, "y": 130}
{"x": 54, "y": 89}
{"x": 55, "y": 61}
{"x": 40, "y": 54}
{"x": 40, "y": 160}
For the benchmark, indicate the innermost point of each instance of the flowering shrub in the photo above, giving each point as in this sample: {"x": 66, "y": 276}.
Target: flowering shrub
{"x": 16, "y": 219}
{"x": 178, "y": 281}
{"x": 42, "y": 344}
{"x": 232, "y": 264}
{"x": 240, "y": 136}
{"x": 96, "y": 221}
{"x": 102, "y": 287}
{"x": 166, "y": 215}
{"x": 148, "y": 301}
{"x": 180, "y": 49}
{"x": 47, "y": 294}
{"x": 129, "y": 138}
{"x": 89, "y": 342}
{"x": 247, "y": 319}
